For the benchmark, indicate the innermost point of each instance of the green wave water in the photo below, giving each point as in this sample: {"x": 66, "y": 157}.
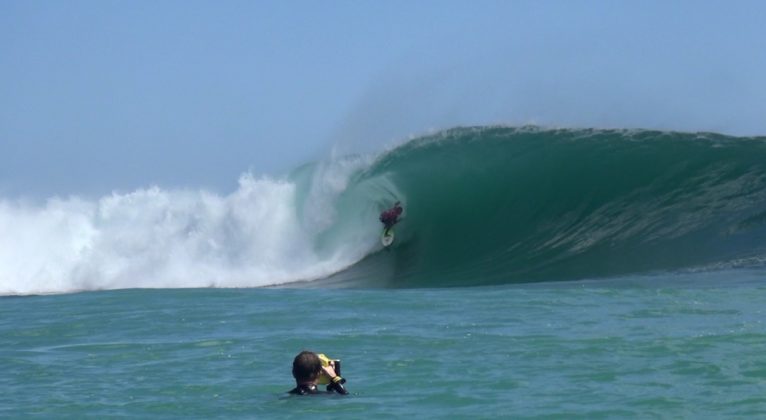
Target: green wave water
{"x": 495, "y": 205}
{"x": 483, "y": 206}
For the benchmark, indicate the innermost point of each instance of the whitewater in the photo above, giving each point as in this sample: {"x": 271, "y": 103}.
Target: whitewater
{"x": 156, "y": 238}
{"x": 483, "y": 205}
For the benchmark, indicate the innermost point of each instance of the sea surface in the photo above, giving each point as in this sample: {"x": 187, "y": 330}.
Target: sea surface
{"x": 664, "y": 346}
{"x": 536, "y": 273}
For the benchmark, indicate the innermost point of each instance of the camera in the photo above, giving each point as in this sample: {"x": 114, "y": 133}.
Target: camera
{"x": 323, "y": 379}
{"x": 326, "y": 361}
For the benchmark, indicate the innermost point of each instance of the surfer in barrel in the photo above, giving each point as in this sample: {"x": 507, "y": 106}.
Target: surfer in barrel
{"x": 390, "y": 217}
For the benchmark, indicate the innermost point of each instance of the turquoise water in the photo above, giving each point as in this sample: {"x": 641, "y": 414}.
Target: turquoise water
{"x": 668, "y": 346}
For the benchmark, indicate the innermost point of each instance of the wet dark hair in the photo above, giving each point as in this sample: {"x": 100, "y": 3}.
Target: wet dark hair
{"x": 306, "y": 366}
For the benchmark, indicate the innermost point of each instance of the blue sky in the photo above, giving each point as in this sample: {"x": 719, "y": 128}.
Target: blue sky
{"x": 98, "y": 96}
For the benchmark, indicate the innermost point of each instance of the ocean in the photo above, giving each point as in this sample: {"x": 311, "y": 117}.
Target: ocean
{"x": 535, "y": 273}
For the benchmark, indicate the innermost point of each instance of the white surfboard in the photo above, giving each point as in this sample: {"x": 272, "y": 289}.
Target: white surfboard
{"x": 387, "y": 238}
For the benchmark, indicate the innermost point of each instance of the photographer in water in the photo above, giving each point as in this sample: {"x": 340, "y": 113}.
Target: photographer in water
{"x": 310, "y": 369}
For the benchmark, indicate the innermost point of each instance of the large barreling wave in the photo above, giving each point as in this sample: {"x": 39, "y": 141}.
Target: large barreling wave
{"x": 484, "y": 205}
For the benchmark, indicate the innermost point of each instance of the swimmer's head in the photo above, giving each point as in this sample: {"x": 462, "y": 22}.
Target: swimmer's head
{"x": 306, "y": 367}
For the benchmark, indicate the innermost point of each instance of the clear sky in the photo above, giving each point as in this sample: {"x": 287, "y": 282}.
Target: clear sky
{"x": 107, "y": 95}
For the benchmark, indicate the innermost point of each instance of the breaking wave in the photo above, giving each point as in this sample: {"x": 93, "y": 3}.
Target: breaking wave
{"x": 483, "y": 205}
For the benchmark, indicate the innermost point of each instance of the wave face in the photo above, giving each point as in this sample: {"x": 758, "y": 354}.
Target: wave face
{"x": 486, "y": 205}
{"x": 501, "y": 205}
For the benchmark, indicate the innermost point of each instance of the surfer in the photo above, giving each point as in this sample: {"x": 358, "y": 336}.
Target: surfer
{"x": 307, "y": 369}
{"x": 390, "y": 217}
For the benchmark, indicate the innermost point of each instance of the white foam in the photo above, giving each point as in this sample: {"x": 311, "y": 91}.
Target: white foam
{"x": 159, "y": 238}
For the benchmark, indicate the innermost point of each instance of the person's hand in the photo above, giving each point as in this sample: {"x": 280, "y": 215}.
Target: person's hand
{"x": 330, "y": 370}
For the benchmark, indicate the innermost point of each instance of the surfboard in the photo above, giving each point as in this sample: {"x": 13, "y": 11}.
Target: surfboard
{"x": 388, "y": 237}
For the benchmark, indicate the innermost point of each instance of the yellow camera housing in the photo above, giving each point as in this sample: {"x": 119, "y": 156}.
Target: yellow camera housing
{"x": 323, "y": 378}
